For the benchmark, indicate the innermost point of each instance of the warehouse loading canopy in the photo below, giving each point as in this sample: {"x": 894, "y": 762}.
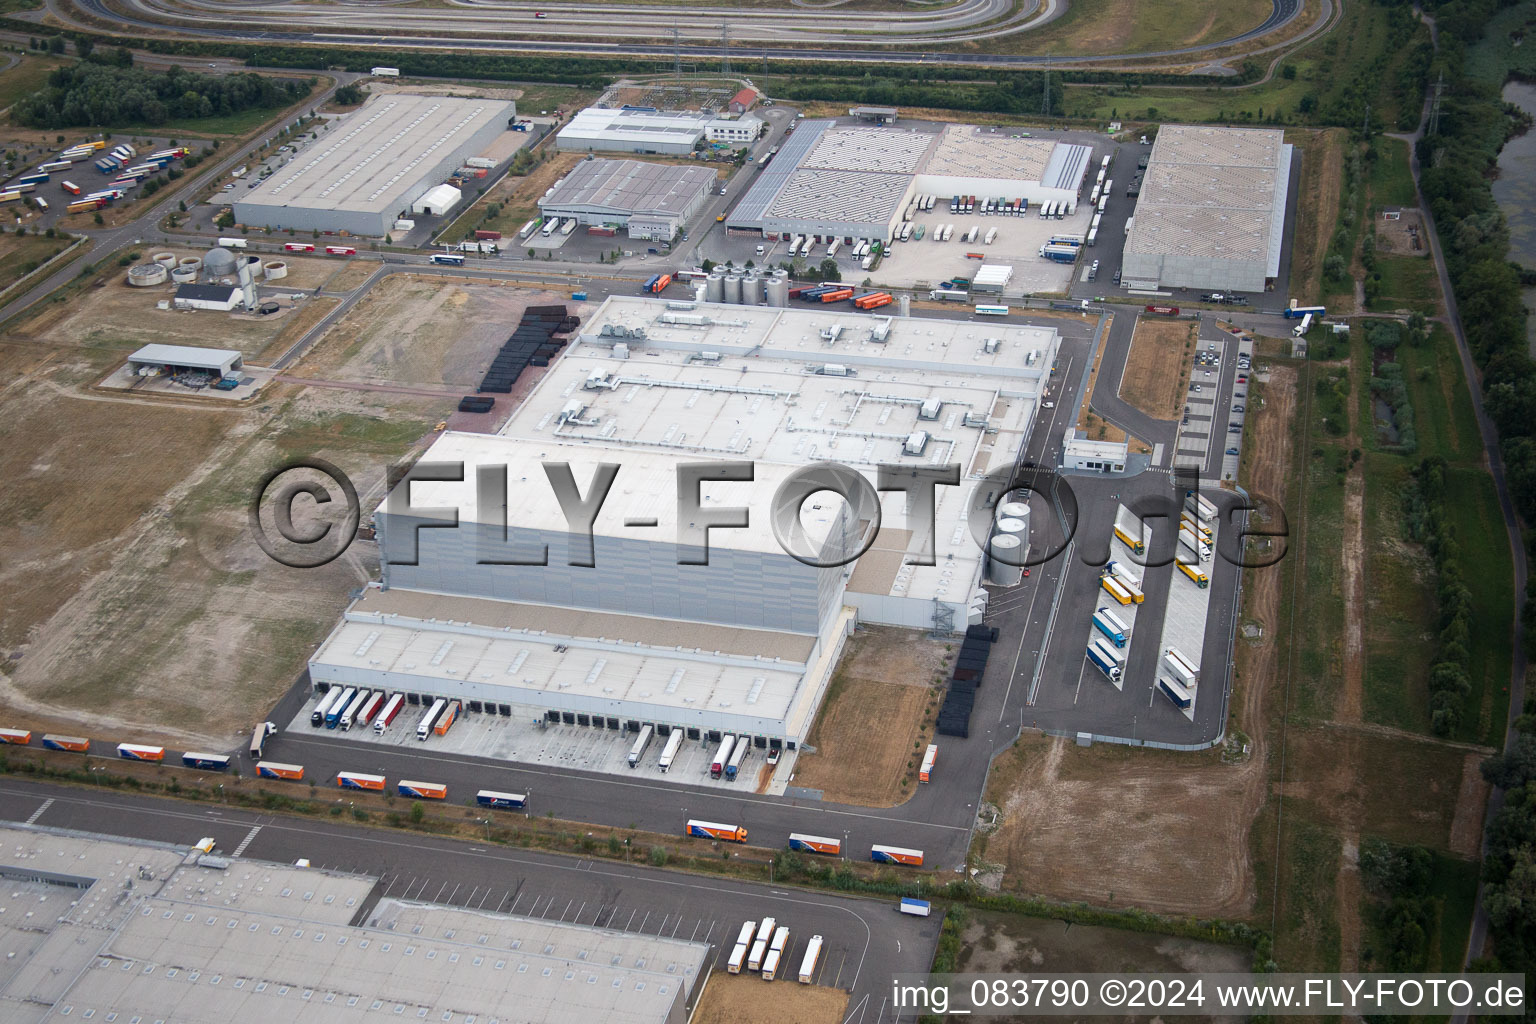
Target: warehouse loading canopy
{"x": 185, "y": 357}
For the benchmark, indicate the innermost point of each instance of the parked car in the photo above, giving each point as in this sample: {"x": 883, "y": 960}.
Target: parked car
{"x": 1197, "y": 389}
{"x": 1237, "y": 408}
{"x": 1232, "y": 451}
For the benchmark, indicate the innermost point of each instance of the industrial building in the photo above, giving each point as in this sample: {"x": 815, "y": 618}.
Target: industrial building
{"x": 654, "y": 132}
{"x": 374, "y": 164}
{"x": 1211, "y": 214}
{"x": 652, "y": 619}
{"x": 184, "y": 358}
{"x": 853, "y": 181}
{"x": 1078, "y": 452}
{"x": 107, "y": 929}
{"x": 221, "y": 297}
{"x": 648, "y": 201}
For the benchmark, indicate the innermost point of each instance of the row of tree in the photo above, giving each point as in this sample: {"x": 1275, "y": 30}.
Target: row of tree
{"x": 1424, "y": 511}
{"x": 107, "y": 95}
{"x": 1460, "y": 160}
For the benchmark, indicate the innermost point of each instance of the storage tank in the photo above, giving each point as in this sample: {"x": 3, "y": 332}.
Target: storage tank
{"x": 1014, "y": 510}
{"x": 274, "y": 270}
{"x": 1005, "y": 547}
{"x": 700, "y": 288}
{"x": 714, "y": 286}
{"x": 777, "y": 289}
{"x": 752, "y": 289}
{"x": 165, "y": 259}
{"x": 219, "y": 262}
{"x": 904, "y": 305}
{"x": 733, "y": 288}
{"x": 191, "y": 263}
{"x": 184, "y": 275}
{"x": 146, "y": 275}
{"x": 1014, "y": 525}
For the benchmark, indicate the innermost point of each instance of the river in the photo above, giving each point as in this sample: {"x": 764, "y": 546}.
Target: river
{"x": 1515, "y": 191}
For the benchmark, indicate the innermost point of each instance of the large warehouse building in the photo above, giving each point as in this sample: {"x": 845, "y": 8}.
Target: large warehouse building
{"x": 649, "y": 201}
{"x": 106, "y": 929}
{"x": 1212, "y": 210}
{"x": 375, "y": 164}
{"x": 854, "y": 181}
{"x": 644, "y": 622}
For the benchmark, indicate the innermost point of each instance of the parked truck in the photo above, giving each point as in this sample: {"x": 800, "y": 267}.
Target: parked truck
{"x": 1199, "y": 578}
{"x": 392, "y": 708}
{"x": 808, "y": 962}
{"x": 1059, "y": 253}
{"x": 1181, "y": 667}
{"x": 1130, "y": 530}
{"x": 424, "y": 727}
{"x": 259, "y": 737}
{"x": 334, "y": 712}
{"x": 642, "y": 741}
{"x": 1175, "y": 691}
{"x": 733, "y": 766}
{"x": 669, "y": 752}
{"x": 1110, "y": 624}
{"x": 714, "y": 830}
{"x": 1202, "y": 507}
{"x": 1114, "y": 589}
{"x": 722, "y": 756}
{"x": 930, "y": 758}
{"x": 1105, "y": 658}
{"x": 349, "y": 713}
{"x": 738, "y": 958}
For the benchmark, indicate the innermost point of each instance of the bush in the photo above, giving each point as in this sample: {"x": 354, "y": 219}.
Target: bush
{"x": 659, "y": 856}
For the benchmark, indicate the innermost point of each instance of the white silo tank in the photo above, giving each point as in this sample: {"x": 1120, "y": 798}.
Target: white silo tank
{"x": 752, "y": 289}
{"x": 714, "y": 290}
{"x": 776, "y": 291}
{"x": 904, "y": 305}
{"x": 1013, "y": 510}
{"x": 733, "y": 288}
{"x": 1003, "y": 549}
{"x": 1013, "y": 525}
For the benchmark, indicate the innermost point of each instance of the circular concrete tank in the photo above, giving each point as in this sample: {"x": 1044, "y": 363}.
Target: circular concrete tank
{"x": 274, "y": 270}
{"x": 146, "y": 275}
{"x": 1013, "y": 510}
{"x": 191, "y": 263}
{"x": 1009, "y": 524}
{"x": 1005, "y": 548}
{"x": 184, "y": 275}
{"x": 165, "y": 259}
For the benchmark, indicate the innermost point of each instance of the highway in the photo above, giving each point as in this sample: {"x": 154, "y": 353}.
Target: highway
{"x": 791, "y": 33}
{"x": 867, "y": 941}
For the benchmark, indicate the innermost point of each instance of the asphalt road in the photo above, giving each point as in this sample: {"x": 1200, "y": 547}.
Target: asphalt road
{"x": 867, "y": 941}
{"x": 329, "y": 25}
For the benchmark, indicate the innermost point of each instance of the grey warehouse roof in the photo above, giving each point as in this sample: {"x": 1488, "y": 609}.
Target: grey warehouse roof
{"x": 631, "y": 186}
{"x": 142, "y": 931}
{"x": 376, "y": 156}
{"x": 1215, "y": 193}
{"x": 204, "y": 293}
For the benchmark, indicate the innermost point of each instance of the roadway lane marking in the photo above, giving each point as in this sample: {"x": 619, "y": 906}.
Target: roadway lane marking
{"x": 306, "y": 832}
{"x": 39, "y": 812}
{"x": 246, "y": 841}
{"x": 603, "y": 778}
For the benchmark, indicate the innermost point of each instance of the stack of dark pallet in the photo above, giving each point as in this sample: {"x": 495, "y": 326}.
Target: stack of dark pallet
{"x": 970, "y": 666}
{"x": 532, "y": 344}
{"x": 476, "y": 403}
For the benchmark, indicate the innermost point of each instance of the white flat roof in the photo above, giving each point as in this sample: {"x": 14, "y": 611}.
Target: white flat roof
{"x": 183, "y": 355}
{"x": 761, "y": 402}
{"x": 124, "y": 929}
{"x": 600, "y": 124}
{"x": 631, "y": 186}
{"x": 375, "y": 155}
{"x": 601, "y": 669}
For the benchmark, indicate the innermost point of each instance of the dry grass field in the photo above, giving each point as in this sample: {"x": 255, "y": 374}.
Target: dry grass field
{"x": 1012, "y": 943}
{"x": 747, "y": 999}
{"x": 886, "y": 677}
{"x": 422, "y": 330}
{"x": 1157, "y": 372}
{"x": 130, "y": 585}
{"x": 111, "y": 316}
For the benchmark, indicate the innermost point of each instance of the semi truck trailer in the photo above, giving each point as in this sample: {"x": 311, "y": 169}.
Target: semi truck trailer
{"x": 642, "y": 741}
{"x": 1110, "y": 624}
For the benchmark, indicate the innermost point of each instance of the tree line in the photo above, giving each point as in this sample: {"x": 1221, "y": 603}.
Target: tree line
{"x": 106, "y": 95}
{"x": 1460, "y": 160}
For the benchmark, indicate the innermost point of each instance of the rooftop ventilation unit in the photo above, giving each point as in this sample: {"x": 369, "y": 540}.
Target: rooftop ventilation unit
{"x": 916, "y": 443}
{"x": 598, "y": 380}
{"x": 930, "y": 408}
{"x": 833, "y": 370}
{"x": 990, "y": 344}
